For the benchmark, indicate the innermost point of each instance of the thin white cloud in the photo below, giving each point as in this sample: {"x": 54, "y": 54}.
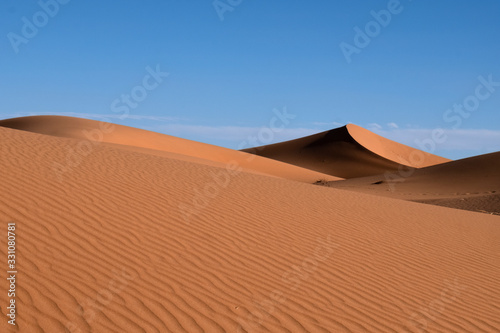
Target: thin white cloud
{"x": 156, "y": 118}
{"x": 235, "y": 134}
{"x": 332, "y": 124}
{"x": 374, "y": 127}
{"x": 455, "y": 139}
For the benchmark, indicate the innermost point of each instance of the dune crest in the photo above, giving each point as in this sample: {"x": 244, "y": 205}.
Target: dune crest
{"x": 347, "y": 152}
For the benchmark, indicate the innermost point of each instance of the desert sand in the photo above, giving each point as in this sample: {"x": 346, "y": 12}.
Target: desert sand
{"x": 143, "y": 232}
{"x": 472, "y": 184}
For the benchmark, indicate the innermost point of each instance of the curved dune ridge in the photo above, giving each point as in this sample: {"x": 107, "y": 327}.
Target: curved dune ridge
{"x": 131, "y": 241}
{"x": 164, "y": 145}
{"x": 472, "y": 183}
{"x": 347, "y": 152}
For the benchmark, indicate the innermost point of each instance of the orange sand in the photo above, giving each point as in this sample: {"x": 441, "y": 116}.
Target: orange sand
{"x": 140, "y": 237}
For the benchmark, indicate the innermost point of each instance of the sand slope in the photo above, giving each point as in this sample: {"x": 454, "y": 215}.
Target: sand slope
{"x": 347, "y": 152}
{"x": 472, "y": 183}
{"x": 126, "y": 243}
{"x": 138, "y": 140}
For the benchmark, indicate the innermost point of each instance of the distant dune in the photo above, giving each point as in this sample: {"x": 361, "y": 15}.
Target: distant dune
{"x": 472, "y": 183}
{"x": 139, "y": 140}
{"x": 347, "y": 152}
{"x": 138, "y": 235}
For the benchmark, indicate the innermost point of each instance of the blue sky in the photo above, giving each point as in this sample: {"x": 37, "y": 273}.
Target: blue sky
{"x": 230, "y": 63}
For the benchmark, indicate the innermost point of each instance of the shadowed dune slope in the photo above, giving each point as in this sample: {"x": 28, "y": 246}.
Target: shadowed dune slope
{"x": 471, "y": 183}
{"x": 165, "y": 145}
{"x": 347, "y": 152}
{"x": 127, "y": 244}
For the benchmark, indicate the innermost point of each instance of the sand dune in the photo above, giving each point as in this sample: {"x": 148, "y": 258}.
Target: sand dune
{"x": 472, "y": 184}
{"x": 138, "y": 140}
{"x": 347, "y": 152}
{"x": 132, "y": 241}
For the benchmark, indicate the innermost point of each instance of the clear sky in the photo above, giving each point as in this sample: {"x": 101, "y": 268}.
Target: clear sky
{"x": 400, "y": 68}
